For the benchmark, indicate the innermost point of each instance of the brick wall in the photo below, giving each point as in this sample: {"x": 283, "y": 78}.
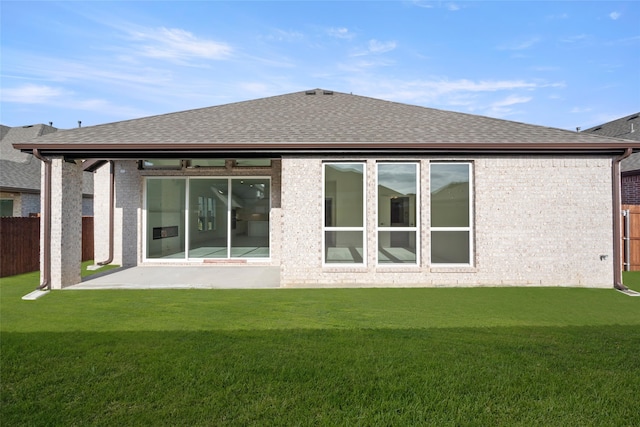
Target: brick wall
{"x": 539, "y": 221}
{"x": 631, "y": 190}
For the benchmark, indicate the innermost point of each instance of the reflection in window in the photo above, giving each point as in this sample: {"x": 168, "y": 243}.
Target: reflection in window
{"x": 397, "y": 213}
{"x": 450, "y": 213}
{"x": 344, "y": 213}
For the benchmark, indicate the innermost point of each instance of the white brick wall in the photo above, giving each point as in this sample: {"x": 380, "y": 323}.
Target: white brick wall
{"x": 66, "y": 223}
{"x": 542, "y": 221}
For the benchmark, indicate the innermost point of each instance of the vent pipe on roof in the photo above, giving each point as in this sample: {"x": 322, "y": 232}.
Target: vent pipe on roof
{"x": 79, "y": 123}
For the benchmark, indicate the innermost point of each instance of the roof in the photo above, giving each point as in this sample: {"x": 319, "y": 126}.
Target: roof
{"x": 313, "y": 121}
{"x": 627, "y": 127}
{"x": 20, "y": 172}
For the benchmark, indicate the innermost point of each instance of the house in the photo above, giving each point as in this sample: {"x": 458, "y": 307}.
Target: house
{"x": 336, "y": 189}
{"x": 20, "y": 174}
{"x": 628, "y": 128}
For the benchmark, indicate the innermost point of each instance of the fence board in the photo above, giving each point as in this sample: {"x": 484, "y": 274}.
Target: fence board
{"x": 634, "y": 236}
{"x": 20, "y": 244}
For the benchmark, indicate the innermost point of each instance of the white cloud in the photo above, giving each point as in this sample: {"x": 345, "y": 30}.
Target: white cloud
{"x": 285, "y": 36}
{"x": 520, "y": 45}
{"x": 574, "y": 39}
{"x": 178, "y": 45}
{"x": 511, "y": 100}
{"x": 615, "y": 15}
{"x": 581, "y": 110}
{"x": 340, "y": 33}
{"x": 376, "y": 46}
{"x": 57, "y": 97}
{"x": 453, "y": 7}
{"x": 32, "y": 94}
{"x": 423, "y": 4}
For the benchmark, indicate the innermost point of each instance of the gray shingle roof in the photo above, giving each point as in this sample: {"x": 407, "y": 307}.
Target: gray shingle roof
{"x": 319, "y": 117}
{"x": 627, "y": 127}
{"x": 19, "y": 171}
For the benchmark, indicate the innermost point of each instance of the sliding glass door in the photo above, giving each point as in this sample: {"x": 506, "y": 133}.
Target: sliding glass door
{"x": 207, "y": 218}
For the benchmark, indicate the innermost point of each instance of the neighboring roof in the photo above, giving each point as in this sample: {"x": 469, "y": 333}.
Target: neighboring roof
{"x": 310, "y": 122}
{"x": 20, "y": 172}
{"x": 625, "y": 127}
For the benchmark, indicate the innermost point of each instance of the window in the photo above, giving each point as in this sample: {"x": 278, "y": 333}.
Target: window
{"x": 6, "y": 207}
{"x": 206, "y": 163}
{"x": 242, "y": 163}
{"x": 451, "y": 213}
{"x": 344, "y": 213}
{"x": 398, "y": 213}
{"x": 161, "y": 164}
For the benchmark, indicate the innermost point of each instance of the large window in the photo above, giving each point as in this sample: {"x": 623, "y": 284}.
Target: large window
{"x": 196, "y": 218}
{"x": 344, "y": 213}
{"x": 451, "y": 213}
{"x": 398, "y": 213}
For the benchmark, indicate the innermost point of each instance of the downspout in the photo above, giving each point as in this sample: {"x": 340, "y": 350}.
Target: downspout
{"x": 46, "y": 214}
{"x": 617, "y": 212}
{"x": 112, "y": 184}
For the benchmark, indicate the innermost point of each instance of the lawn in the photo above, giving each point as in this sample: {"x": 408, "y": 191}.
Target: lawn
{"x": 487, "y": 356}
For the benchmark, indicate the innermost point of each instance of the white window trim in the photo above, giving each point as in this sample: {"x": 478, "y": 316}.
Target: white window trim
{"x": 362, "y": 229}
{"x": 469, "y": 229}
{"x": 415, "y": 229}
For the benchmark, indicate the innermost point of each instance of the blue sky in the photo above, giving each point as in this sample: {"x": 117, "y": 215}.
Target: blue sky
{"x": 554, "y": 63}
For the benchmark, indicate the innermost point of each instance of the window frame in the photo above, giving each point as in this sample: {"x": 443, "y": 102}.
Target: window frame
{"x": 470, "y": 229}
{"x": 418, "y": 213}
{"x": 362, "y": 229}
{"x": 188, "y": 213}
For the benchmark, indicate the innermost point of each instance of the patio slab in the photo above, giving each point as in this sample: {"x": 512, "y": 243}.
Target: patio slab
{"x": 184, "y": 277}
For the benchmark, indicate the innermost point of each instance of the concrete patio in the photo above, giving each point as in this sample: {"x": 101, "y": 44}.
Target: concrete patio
{"x": 184, "y": 277}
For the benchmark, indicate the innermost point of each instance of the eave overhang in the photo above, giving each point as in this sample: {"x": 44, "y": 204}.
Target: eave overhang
{"x": 278, "y": 149}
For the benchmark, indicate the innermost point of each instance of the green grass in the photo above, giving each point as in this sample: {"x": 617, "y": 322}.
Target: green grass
{"x": 490, "y": 356}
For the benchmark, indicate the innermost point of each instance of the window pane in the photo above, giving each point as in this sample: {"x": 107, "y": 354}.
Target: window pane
{"x": 207, "y": 163}
{"x": 343, "y": 247}
{"x": 165, "y": 218}
{"x": 450, "y": 247}
{"x": 250, "y": 205}
{"x": 397, "y": 195}
{"x": 253, "y": 162}
{"x": 208, "y": 218}
{"x": 450, "y": 195}
{"x": 6, "y": 207}
{"x": 395, "y": 247}
{"x": 344, "y": 195}
{"x": 162, "y": 163}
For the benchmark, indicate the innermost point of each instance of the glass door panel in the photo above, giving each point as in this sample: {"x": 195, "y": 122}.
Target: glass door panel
{"x": 208, "y": 205}
{"x": 166, "y": 218}
{"x": 250, "y": 205}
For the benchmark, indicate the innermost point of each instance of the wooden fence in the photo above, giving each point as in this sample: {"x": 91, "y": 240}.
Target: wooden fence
{"x": 631, "y": 237}
{"x": 20, "y": 244}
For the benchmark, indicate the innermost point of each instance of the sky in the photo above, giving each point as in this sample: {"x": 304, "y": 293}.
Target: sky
{"x": 563, "y": 64}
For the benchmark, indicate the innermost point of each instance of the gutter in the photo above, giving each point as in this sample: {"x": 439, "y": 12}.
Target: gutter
{"x": 46, "y": 216}
{"x": 111, "y": 212}
{"x": 617, "y": 213}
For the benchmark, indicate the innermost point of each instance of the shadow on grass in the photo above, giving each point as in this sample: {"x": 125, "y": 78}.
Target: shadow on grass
{"x": 481, "y": 376}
